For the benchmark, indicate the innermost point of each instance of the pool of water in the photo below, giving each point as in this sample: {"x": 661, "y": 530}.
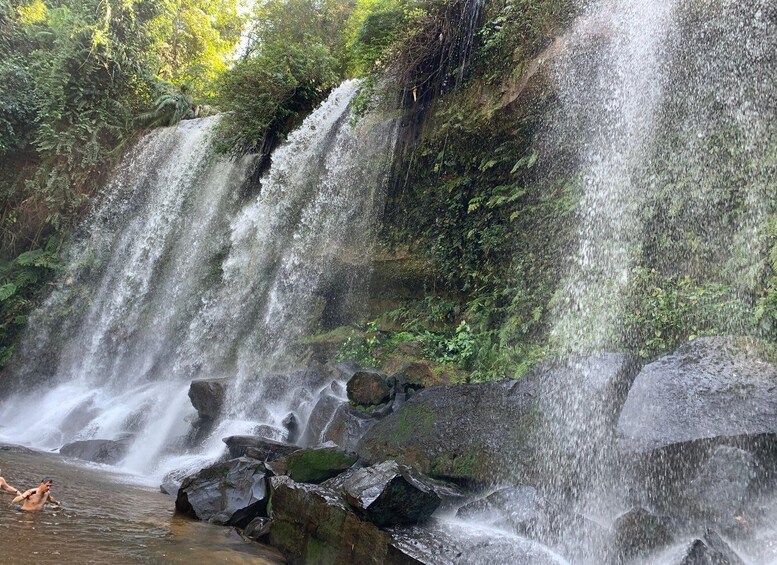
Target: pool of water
{"x": 105, "y": 518}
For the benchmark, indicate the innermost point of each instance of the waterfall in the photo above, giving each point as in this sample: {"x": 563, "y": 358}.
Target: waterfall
{"x": 647, "y": 91}
{"x": 668, "y": 109}
{"x": 175, "y": 276}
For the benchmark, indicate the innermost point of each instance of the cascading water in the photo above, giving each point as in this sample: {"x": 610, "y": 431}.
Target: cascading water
{"x": 670, "y": 108}
{"x": 174, "y": 278}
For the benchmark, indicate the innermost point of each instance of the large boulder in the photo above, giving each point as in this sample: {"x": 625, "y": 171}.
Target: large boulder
{"x": 711, "y": 392}
{"x": 719, "y": 493}
{"x": 257, "y": 447}
{"x": 470, "y": 433}
{"x": 713, "y": 388}
{"x": 579, "y": 400}
{"x": 315, "y": 465}
{"x": 709, "y": 550}
{"x": 96, "y": 450}
{"x": 389, "y": 494}
{"x": 638, "y": 532}
{"x": 369, "y": 389}
{"x": 312, "y": 524}
{"x": 231, "y": 493}
{"x": 207, "y": 396}
{"x": 347, "y": 426}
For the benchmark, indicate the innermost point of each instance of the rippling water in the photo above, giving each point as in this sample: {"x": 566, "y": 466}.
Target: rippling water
{"x": 104, "y": 519}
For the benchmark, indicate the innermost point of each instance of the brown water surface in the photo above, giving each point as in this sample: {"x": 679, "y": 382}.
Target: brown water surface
{"x": 105, "y": 520}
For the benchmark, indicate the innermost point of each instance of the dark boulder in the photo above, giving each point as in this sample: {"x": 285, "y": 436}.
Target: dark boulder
{"x": 257, "y": 447}
{"x": 712, "y": 388}
{"x": 231, "y": 493}
{"x": 347, "y": 426}
{"x": 470, "y": 433}
{"x": 317, "y": 464}
{"x": 96, "y": 450}
{"x": 720, "y": 491}
{"x": 368, "y": 389}
{"x": 291, "y": 423}
{"x": 389, "y": 494}
{"x": 312, "y": 524}
{"x": 711, "y": 550}
{"x": 207, "y": 396}
{"x": 711, "y": 392}
{"x": 638, "y": 532}
{"x": 578, "y": 402}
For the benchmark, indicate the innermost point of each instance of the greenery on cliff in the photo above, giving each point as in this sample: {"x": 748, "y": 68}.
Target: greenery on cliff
{"x": 477, "y": 197}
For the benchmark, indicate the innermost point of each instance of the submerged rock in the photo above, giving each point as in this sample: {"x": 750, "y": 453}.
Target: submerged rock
{"x": 318, "y": 464}
{"x": 390, "y": 494}
{"x": 231, "y": 493}
{"x": 207, "y": 396}
{"x": 469, "y": 433}
{"x": 96, "y": 450}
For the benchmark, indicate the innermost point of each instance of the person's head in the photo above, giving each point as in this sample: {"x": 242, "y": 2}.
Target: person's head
{"x": 45, "y": 484}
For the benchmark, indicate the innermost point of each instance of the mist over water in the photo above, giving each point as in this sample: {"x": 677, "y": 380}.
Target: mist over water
{"x": 175, "y": 278}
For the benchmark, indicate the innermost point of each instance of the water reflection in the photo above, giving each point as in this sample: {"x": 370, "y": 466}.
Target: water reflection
{"x": 104, "y": 520}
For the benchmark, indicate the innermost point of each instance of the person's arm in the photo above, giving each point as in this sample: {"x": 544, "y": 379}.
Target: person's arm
{"x": 51, "y": 499}
{"x": 8, "y": 488}
{"x": 24, "y": 496}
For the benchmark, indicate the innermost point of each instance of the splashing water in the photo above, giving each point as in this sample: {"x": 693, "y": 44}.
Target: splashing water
{"x": 174, "y": 278}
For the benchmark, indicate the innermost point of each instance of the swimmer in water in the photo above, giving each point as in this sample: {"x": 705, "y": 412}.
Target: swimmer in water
{"x": 36, "y": 498}
{"x": 8, "y": 488}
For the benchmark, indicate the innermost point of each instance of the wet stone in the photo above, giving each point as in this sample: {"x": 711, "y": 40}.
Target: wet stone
{"x": 318, "y": 464}
{"x": 390, "y": 494}
{"x": 368, "y": 388}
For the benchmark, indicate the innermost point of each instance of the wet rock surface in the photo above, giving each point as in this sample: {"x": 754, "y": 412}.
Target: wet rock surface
{"x": 638, "y": 532}
{"x": 468, "y": 433}
{"x": 312, "y": 524}
{"x": 721, "y": 489}
{"x": 257, "y": 447}
{"x": 96, "y": 450}
{"x": 519, "y": 509}
{"x": 231, "y": 493}
{"x": 207, "y": 396}
{"x": 390, "y": 494}
{"x": 369, "y": 388}
{"x": 710, "y": 388}
{"x": 315, "y": 465}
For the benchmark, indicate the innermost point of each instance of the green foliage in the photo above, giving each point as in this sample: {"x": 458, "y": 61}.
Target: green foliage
{"x": 667, "y": 311}
{"x": 515, "y": 30}
{"x": 170, "y": 107}
{"x": 268, "y": 93}
{"x": 193, "y": 40}
{"x": 21, "y": 281}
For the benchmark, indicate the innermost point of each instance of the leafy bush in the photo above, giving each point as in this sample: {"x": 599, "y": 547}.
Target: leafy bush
{"x": 267, "y": 94}
{"x": 21, "y": 283}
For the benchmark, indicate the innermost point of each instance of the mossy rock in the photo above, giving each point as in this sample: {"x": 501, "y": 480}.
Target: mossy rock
{"x": 462, "y": 433}
{"x": 318, "y": 464}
